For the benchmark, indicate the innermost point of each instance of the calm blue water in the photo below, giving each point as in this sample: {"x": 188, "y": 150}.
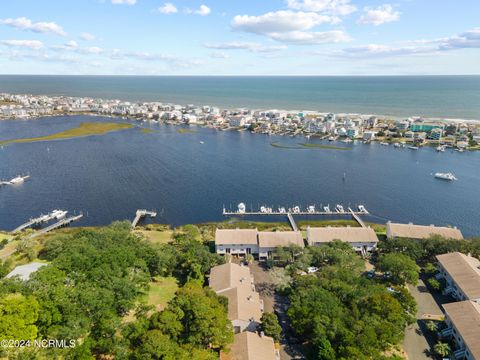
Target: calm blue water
{"x": 111, "y": 176}
{"x": 430, "y": 96}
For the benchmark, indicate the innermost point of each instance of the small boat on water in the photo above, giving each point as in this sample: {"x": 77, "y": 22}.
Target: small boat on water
{"x": 413, "y": 147}
{"x": 327, "y": 209}
{"x": 384, "y": 143}
{"x": 311, "y": 209}
{"x": 202, "y": 142}
{"x": 18, "y": 179}
{"x": 445, "y": 176}
{"x": 58, "y": 214}
{"x": 339, "y": 208}
{"x": 441, "y": 148}
{"x": 362, "y": 209}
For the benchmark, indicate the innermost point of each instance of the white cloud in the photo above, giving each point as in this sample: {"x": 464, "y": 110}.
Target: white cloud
{"x": 93, "y": 50}
{"x": 251, "y": 46}
{"x": 467, "y": 40}
{"x": 72, "y": 44}
{"x": 311, "y": 37}
{"x": 87, "y": 36}
{"x": 380, "y": 15}
{"x": 124, "y": 2}
{"x": 30, "y": 44}
{"x": 218, "y": 55}
{"x": 168, "y": 8}
{"x": 203, "y": 10}
{"x": 291, "y": 27}
{"x": 23, "y": 23}
{"x": 280, "y": 21}
{"x": 337, "y": 7}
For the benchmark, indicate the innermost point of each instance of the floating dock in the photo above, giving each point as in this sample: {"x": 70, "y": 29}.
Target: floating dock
{"x": 57, "y": 225}
{"x": 141, "y": 213}
{"x": 300, "y": 212}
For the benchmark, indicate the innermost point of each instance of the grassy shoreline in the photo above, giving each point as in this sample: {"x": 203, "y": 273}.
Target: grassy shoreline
{"x": 85, "y": 129}
{"x": 305, "y": 146}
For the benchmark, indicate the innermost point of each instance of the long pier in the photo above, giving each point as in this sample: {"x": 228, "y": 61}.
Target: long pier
{"x": 292, "y": 222}
{"x": 255, "y": 213}
{"x": 140, "y": 214}
{"x": 57, "y": 225}
{"x": 31, "y": 222}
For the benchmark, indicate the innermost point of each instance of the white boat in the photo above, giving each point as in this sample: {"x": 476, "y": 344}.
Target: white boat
{"x": 413, "y": 147}
{"x": 327, "y": 209}
{"x": 441, "y": 148}
{"x": 241, "y": 208}
{"x": 296, "y": 209}
{"x": 201, "y": 142}
{"x": 331, "y": 138}
{"x": 361, "y": 208}
{"x": 263, "y": 209}
{"x": 445, "y": 176}
{"x": 311, "y": 209}
{"x": 282, "y": 210}
{"x": 339, "y": 208}
{"x": 384, "y": 143}
{"x": 18, "y": 179}
{"x": 58, "y": 214}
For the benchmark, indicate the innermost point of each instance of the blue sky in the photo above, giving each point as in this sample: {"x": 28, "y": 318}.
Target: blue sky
{"x": 240, "y": 37}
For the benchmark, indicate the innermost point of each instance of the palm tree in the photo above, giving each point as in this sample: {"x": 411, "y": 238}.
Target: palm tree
{"x": 431, "y": 326}
{"x": 442, "y": 349}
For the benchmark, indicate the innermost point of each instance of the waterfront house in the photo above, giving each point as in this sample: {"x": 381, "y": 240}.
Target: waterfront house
{"x": 462, "y": 276}
{"x": 238, "y": 242}
{"x": 245, "y": 308}
{"x": 463, "y": 321}
{"x": 251, "y": 346}
{"x": 435, "y": 134}
{"x": 411, "y": 231}
{"x": 409, "y": 134}
{"x": 269, "y": 240}
{"x": 228, "y": 276}
{"x": 369, "y": 135}
{"x": 362, "y": 239}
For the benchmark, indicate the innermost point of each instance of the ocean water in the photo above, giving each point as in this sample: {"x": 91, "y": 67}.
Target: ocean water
{"x": 108, "y": 177}
{"x": 399, "y": 96}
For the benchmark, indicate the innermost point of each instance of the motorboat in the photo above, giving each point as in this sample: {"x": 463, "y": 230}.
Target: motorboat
{"x": 362, "y": 209}
{"x": 339, "y": 208}
{"x": 445, "y": 176}
{"x": 311, "y": 209}
{"x": 327, "y": 209}
{"x": 241, "y": 208}
{"x": 58, "y": 214}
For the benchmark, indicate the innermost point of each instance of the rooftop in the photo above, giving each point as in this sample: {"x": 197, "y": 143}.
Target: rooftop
{"x": 243, "y": 303}
{"x": 346, "y": 234}
{"x": 280, "y": 238}
{"x": 24, "y": 271}
{"x": 465, "y": 316}
{"x": 250, "y": 346}
{"x": 465, "y": 271}
{"x": 422, "y": 231}
{"x": 230, "y": 275}
{"x": 235, "y": 236}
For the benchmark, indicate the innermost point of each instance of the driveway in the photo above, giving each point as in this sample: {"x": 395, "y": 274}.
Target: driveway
{"x": 275, "y": 303}
{"x": 418, "y": 339}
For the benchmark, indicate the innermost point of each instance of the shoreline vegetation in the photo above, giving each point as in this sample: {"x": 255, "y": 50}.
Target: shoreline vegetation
{"x": 85, "y": 129}
{"x": 304, "y": 146}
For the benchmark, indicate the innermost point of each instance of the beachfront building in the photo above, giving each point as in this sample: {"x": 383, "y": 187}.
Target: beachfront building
{"x": 362, "y": 239}
{"x": 251, "y": 346}
{"x": 411, "y": 231}
{"x": 269, "y": 240}
{"x": 462, "y": 276}
{"x": 238, "y": 242}
{"x": 435, "y": 134}
{"x": 463, "y": 321}
{"x": 425, "y": 127}
{"x": 369, "y": 135}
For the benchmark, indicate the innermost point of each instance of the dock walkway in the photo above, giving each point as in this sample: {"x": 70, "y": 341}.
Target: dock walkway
{"x": 357, "y": 218}
{"x": 140, "y": 214}
{"x": 57, "y": 225}
{"x": 292, "y": 222}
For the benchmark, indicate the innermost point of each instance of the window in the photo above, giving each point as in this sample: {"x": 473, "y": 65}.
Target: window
{"x": 227, "y": 250}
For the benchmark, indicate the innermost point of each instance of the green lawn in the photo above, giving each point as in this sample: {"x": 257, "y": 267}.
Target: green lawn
{"x": 156, "y": 236}
{"x": 162, "y": 290}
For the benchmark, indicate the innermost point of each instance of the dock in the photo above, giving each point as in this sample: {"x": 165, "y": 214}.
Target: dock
{"x": 283, "y": 213}
{"x": 357, "y": 218}
{"x": 57, "y": 225}
{"x": 141, "y": 213}
{"x": 292, "y": 222}
{"x": 31, "y": 222}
